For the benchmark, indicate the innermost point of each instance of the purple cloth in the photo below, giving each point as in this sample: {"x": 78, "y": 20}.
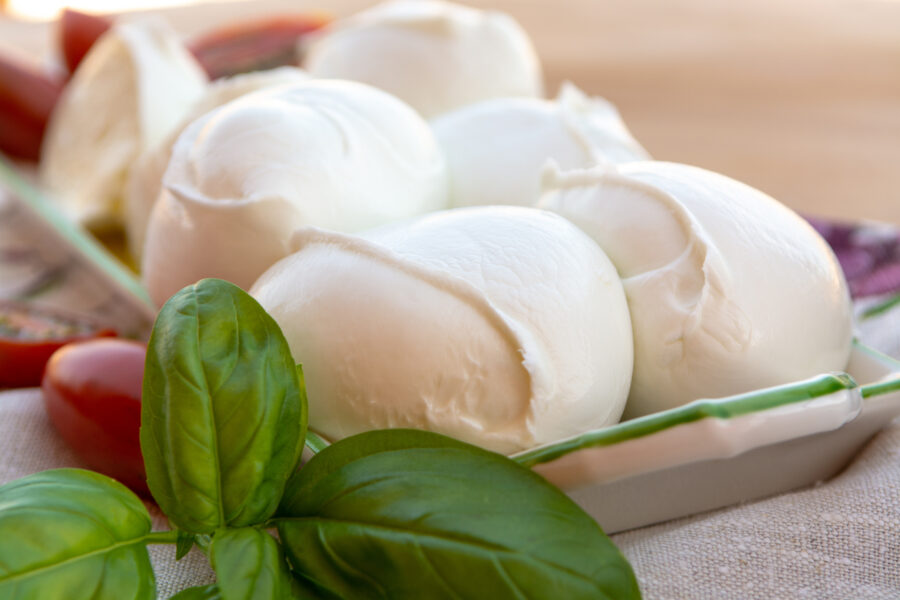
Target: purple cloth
{"x": 869, "y": 254}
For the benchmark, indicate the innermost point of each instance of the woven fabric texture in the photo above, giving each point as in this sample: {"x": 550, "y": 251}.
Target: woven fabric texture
{"x": 838, "y": 540}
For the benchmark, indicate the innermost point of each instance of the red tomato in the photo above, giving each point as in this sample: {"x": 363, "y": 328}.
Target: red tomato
{"x": 254, "y": 45}
{"x": 77, "y": 33}
{"x": 30, "y": 335}
{"x": 26, "y": 99}
{"x": 92, "y": 392}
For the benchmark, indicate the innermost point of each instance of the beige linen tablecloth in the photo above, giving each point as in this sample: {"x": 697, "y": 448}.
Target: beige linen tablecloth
{"x": 838, "y": 540}
{"x": 801, "y": 99}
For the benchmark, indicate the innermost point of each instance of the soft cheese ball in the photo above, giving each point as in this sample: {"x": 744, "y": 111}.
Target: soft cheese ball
{"x": 434, "y": 55}
{"x": 335, "y": 154}
{"x": 505, "y": 327}
{"x": 729, "y": 290}
{"x": 145, "y": 175}
{"x": 496, "y": 150}
{"x": 132, "y": 89}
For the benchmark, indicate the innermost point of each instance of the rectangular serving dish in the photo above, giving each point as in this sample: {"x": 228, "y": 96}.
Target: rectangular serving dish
{"x": 701, "y": 456}
{"x": 714, "y": 453}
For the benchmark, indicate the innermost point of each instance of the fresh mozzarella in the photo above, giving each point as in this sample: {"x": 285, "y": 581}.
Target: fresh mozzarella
{"x": 145, "y": 176}
{"x": 132, "y": 89}
{"x": 435, "y": 55}
{"x": 729, "y": 290}
{"x": 242, "y": 178}
{"x": 506, "y": 327}
{"x": 496, "y": 150}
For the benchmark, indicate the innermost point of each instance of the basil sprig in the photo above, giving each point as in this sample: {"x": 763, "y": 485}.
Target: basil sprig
{"x": 387, "y": 514}
{"x": 74, "y": 534}
{"x": 409, "y": 514}
{"x": 200, "y": 592}
{"x": 249, "y": 563}
{"x": 222, "y": 418}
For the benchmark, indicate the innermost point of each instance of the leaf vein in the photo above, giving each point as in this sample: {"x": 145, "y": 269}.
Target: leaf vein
{"x": 444, "y": 537}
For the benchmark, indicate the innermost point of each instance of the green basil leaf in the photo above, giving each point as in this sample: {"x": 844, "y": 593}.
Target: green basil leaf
{"x": 250, "y": 565}
{"x": 183, "y": 544}
{"x": 203, "y": 592}
{"x": 365, "y": 444}
{"x": 367, "y": 520}
{"x": 73, "y": 534}
{"x": 223, "y": 412}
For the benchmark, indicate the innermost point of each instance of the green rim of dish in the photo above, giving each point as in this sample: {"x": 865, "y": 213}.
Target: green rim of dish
{"x": 885, "y": 386}
{"x": 93, "y": 251}
{"x": 877, "y": 355}
{"x": 722, "y": 408}
{"x": 881, "y": 307}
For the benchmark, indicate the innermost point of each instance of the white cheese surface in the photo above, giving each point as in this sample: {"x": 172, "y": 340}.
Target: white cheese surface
{"x": 145, "y": 175}
{"x": 335, "y": 154}
{"x": 729, "y": 290}
{"x": 497, "y": 149}
{"x": 434, "y": 55}
{"x": 131, "y": 90}
{"x": 505, "y": 327}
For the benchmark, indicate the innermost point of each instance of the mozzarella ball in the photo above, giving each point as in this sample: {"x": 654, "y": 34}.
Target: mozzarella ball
{"x": 496, "y": 150}
{"x": 729, "y": 290}
{"x": 335, "y": 154}
{"x": 145, "y": 175}
{"x": 132, "y": 89}
{"x": 505, "y": 327}
{"x": 434, "y": 55}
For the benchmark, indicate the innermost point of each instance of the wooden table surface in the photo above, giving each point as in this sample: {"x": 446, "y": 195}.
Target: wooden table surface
{"x": 800, "y": 98}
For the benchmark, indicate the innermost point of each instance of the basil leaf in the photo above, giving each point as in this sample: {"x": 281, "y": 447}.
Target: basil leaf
{"x": 223, "y": 413}
{"x": 368, "y": 520}
{"x": 203, "y": 592}
{"x": 367, "y": 443}
{"x": 249, "y": 565}
{"x": 74, "y": 534}
{"x": 183, "y": 544}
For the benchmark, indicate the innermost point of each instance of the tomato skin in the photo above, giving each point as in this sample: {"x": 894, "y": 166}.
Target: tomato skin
{"x": 22, "y": 362}
{"x": 30, "y": 334}
{"x": 92, "y": 394}
{"x": 77, "y": 33}
{"x": 26, "y": 99}
{"x": 254, "y": 45}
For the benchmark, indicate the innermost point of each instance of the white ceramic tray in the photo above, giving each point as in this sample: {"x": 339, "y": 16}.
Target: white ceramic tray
{"x": 715, "y": 453}
{"x": 705, "y": 455}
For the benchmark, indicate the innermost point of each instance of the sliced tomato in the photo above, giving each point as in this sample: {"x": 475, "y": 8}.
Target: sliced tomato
{"x": 254, "y": 45}
{"x": 30, "y": 335}
{"x": 27, "y": 98}
{"x": 92, "y": 393}
{"x": 77, "y": 33}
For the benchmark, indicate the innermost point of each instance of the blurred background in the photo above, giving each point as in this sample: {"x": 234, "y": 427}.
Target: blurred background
{"x": 800, "y": 98}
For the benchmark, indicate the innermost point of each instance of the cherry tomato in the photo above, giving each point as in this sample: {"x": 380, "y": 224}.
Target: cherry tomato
{"x": 92, "y": 393}
{"x": 253, "y": 45}
{"x": 77, "y": 33}
{"x": 29, "y": 335}
{"x": 26, "y": 99}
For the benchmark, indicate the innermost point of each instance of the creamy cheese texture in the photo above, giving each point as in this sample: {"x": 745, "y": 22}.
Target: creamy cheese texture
{"x": 729, "y": 290}
{"x": 145, "y": 175}
{"x": 506, "y": 327}
{"x": 133, "y": 88}
{"x": 335, "y": 154}
{"x": 496, "y": 150}
{"x": 434, "y": 55}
